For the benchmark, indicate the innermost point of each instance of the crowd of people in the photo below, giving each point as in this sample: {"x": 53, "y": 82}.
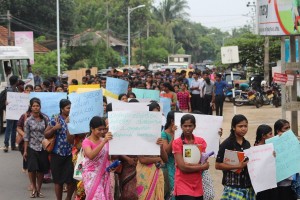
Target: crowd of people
{"x": 165, "y": 176}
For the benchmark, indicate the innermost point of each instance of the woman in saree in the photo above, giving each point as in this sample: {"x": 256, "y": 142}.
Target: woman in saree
{"x": 150, "y": 178}
{"x": 96, "y": 180}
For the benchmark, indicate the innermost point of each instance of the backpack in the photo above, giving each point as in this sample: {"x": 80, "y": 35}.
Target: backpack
{"x": 3, "y": 96}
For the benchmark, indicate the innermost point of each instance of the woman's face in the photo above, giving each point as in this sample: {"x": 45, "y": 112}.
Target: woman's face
{"x": 35, "y": 108}
{"x": 66, "y": 110}
{"x": 183, "y": 87}
{"x": 285, "y": 128}
{"x": 268, "y": 135}
{"x": 241, "y": 128}
{"x": 131, "y": 96}
{"x": 59, "y": 89}
{"x": 176, "y": 88}
{"x": 38, "y": 89}
{"x": 104, "y": 107}
{"x": 124, "y": 98}
{"x": 28, "y": 90}
{"x": 188, "y": 127}
{"x": 99, "y": 131}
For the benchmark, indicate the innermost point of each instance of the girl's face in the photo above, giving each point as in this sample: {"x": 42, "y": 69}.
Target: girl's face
{"x": 183, "y": 87}
{"x": 176, "y": 88}
{"x": 59, "y": 89}
{"x": 156, "y": 110}
{"x": 35, "y": 108}
{"x": 104, "y": 107}
{"x": 188, "y": 127}
{"x": 38, "y": 89}
{"x": 131, "y": 96}
{"x": 66, "y": 110}
{"x": 99, "y": 131}
{"x": 268, "y": 136}
{"x": 28, "y": 90}
{"x": 124, "y": 98}
{"x": 285, "y": 128}
{"x": 241, "y": 128}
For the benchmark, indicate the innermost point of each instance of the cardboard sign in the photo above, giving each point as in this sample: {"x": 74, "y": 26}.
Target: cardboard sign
{"x": 17, "y": 105}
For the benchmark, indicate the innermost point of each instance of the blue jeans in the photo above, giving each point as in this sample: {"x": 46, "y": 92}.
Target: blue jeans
{"x": 10, "y": 131}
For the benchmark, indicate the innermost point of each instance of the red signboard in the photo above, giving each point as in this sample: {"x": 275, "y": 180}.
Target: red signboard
{"x": 280, "y": 78}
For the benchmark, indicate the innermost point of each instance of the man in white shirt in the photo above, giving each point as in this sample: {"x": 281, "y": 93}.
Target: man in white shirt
{"x": 195, "y": 88}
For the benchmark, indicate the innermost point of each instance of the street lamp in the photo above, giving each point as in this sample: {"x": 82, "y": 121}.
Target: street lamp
{"x": 128, "y": 21}
{"x": 58, "y": 39}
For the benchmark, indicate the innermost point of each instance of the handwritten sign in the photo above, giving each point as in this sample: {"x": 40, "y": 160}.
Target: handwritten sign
{"x": 166, "y": 105}
{"x": 134, "y": 133}
{"x": 261, "y": 157}
{"x": 123, "y": 106}
{"x": 146, "y": 94}
{"x": 84, "y": 107}
{"x": 109, "y": 94}
{"x": 287, "y": 150}
{"x": 116, "y": 86}
{"x": 17, "y": 105}
{"x": 207, "y": 127}
{"x": 49, "y": 101}
{"x": 74, "y": 88}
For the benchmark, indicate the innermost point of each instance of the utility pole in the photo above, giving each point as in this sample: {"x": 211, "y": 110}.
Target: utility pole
{"x": 107, "y": 27}
{"x": 147, "y": 29}
{"x": 267, "y": 62}
{"x": 9, "y": 28}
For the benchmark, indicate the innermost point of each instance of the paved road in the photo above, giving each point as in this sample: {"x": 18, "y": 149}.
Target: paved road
{"x": 14, "y": 183}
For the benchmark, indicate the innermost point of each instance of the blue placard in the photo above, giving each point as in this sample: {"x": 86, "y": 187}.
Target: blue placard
{"x": 166, "y": 103}
{"x": 49, "y": 101}
{"x": 146, "y": 94}
{"x": 287, "y": 150}
{"x": 84, "y": 107}
{"x": 116, "y": 86}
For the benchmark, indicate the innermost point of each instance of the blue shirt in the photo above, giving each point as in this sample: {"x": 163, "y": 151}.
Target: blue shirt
{"x": 219, "y": 87}
{"x": 62, "y": 147}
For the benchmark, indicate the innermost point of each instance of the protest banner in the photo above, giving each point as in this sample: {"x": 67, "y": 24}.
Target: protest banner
{"x": 262, "y": 157}
{"x": 84, "y": 107}
{"x": 134, "y": 133}
{"x": 109, "y": 94}
{"x": 207, "y": 127}
{"x": 116, "y": 86}
{"x": 187, "y": 71}
{"x": 123, "y": 106}
{"x": 74, "y": 88}
{"x": 17, "y": 105}
{"x": 166, "y": 105}
{"x": 146, "y": 94}
{"x": 83, "y": 90}
{"x": 49, "y": 101}
{"x": 287, "y": 150}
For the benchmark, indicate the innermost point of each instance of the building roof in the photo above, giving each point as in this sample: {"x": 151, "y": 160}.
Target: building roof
{"x": 93, "y": 37}
{"x": 4, "y": 41}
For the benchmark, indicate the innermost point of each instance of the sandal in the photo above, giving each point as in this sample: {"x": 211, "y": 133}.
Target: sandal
{"x": 33, "y": 194}
{"x": 40, "y": 195}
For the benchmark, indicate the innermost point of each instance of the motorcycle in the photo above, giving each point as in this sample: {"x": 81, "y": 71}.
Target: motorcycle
{"x": 276, "y": 101}
{"x": 241, "y": 98}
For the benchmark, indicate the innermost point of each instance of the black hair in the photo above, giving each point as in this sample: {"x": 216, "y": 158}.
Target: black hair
{"x": 96, "y": 122}
{"x": 121, "y": 95}
{"x": 170, "y": 119}
{"x": 261, "y": 131}
{"x": 131, "y": 93}
{"x": 133, "y": 101}
{"x": 46, "y": 83}
{"x": 197, "y": 112}
{"x": 88, "y": 71}
{"x": 63, "y": 103}
{"x": 109, "y": 107}
{"x": 169, "y": 86}
{"x": 167, "y": 70}
{"x": 33, "y": 100}
{"x": 153, "y": 105}
{"x": 219, "y": 75}
{"x": 74, "y": 81}
{"x": 61, "y": 86}
{"x": 29, "y": 86}
{"x": 185, "y": 118}
{"x": 236, "y": 120}
{"x": 37, "y": 86}
{"x": 207, "y": 80}
{"x": 279, "y": 124}
{"x": 104, "y": 99}
{"x": 13, "y": 80}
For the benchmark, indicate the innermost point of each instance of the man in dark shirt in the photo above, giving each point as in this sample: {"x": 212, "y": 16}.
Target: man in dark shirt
{"x": 219, "y": 94}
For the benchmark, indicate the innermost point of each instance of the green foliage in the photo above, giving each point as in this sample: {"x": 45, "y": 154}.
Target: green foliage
{"x": 46, "y": 64}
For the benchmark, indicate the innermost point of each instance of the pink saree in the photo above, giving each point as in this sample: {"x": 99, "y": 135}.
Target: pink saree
{"x": 95, "y": 179}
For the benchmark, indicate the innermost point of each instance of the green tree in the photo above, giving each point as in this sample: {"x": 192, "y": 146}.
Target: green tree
{"x": 46, "y": 64}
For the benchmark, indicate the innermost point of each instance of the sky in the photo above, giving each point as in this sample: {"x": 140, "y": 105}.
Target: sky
{"x": 222, "y": 14}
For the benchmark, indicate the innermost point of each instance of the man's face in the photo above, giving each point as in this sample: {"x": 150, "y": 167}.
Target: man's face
{"x": 103, "y": 83}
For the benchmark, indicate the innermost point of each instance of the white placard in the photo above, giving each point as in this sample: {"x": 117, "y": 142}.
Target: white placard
{"x": 191, "y": 153}
{"x": 18, "y": 104}
{"x": 262, "y": 167}
{"x": 230, "y": 54}
{"x": 134, "y": 133}
{"x": 123, "y": 106}
{"x": 207, "y": 127}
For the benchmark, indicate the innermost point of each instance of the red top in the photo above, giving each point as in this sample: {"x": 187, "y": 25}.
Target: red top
{"x": 183, "y": 99}
{"x": 188, "y": 183}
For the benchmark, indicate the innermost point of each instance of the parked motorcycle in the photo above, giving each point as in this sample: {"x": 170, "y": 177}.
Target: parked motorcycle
{"x": 276, "y": 95}
{"x": 241, "y": 98}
